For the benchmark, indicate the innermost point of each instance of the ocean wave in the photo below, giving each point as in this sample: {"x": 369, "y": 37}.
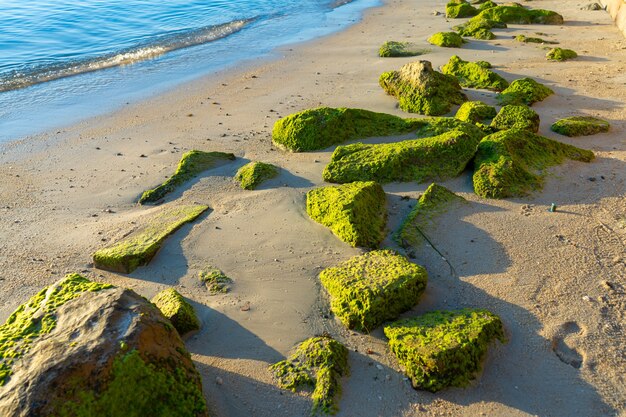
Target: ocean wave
{"x": 158, "y": 46}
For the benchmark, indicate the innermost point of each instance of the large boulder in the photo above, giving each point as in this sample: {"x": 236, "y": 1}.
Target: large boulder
{"x": 520, "y": 117}
{"x": 520, "y": 15}
{"x": 474, "y": 74}
{"x": 80, "y": 348}
{"x": 524, "y": 91}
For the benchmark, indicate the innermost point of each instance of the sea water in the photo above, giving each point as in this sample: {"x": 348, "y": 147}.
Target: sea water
{"x": 65, "y": 60}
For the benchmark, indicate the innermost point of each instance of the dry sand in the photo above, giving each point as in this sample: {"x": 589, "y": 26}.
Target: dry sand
{"x": 558, "y": 280}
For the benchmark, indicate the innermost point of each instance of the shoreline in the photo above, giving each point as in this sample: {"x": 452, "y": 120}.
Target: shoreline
{"x": 58, "y": 186}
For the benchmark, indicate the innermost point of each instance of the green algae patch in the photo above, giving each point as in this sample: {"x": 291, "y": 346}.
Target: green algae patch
{"x": 516, "y": 117}
{"x": 139, "y": 247}
{"x": 456, "y": 10}
{"x": 446, "y": 40}
{"x": 520, "y": 15}
{"x": 580, "y": 126}
{"x": 434, "y": 158}
{"x": 191, "y": 164}
{"x": 510, "y": 163}
{"x": 319, "y": 128}
{"x": 369, "y": 289}
{"x": 435, "y": 126}
{"x": 435, "y": 201}
{"x": 215, "y": 280}
{"x": 443, "y": 349}
{"x": 394, "y": 49}
{"x": 37, "y": 317}
{"x": 318, "y": 363}
{"x": 420, "y": 89}
{"x": 530, "y": 39}
{"x": 138, "y": 388}
{"x": 479, "y": 28}
{"x": 560, "y": 54}
{"x": 473, "y": 75}
{"x": 356, "y": 213}
{"x": 524, "y": 91}
{"x": 475, "y": 112}
{"x": 253, "y": 174}
{"x": 175, "y": 308}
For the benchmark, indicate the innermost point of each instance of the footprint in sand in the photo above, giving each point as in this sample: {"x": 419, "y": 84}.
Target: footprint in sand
{"x": 563, "y": 346}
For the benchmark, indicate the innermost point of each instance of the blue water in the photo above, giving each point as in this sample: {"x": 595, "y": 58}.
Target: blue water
{"x": 65, "y": 60}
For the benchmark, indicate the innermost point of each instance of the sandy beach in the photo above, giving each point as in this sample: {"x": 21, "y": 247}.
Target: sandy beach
{"x": 557, "y": 280}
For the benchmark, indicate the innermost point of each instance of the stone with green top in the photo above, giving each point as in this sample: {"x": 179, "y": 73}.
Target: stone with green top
{"x": 395, "y": 49}
{"x": 518, "y": 117}
{"x": 561, "y": 54}
{"x": 524, "y": 91}
{"x": 474, "y": 75}
{"x": 446, "y": 40}
{"x": 475, "y": 112}
{"x": 455, "y": 10}
{"x": 520, "y": 15}
{"x": 580, "y": 126}
{"x": 254, "y": 173}
{"x": 175, "y": 308}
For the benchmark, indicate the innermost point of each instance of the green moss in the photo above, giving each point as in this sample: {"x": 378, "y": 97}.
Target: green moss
{"x": 420, "y": 89}
{"x": 526, "y": 39}
{"x": 560, "y": 54}
{"x": 516, "y": 117}
{"x": 443, "y": 348}
{"x": 520, "y": 15}
{"x": 510, "y": 163}
{"x": 486, "y": 5}
{"x": 580, "y": 126}
{"x": 435, "y": 201}
{"x": 400, "y": 49}
{"x": 356, "y": 212}
{"x": 138, "y": 389}
{"x": 473, "y": 75}
{"x": 446, "y": 39}
{"x": 320, "y": 362}
{"x": 139, "y": 247}
{"x": 191, "y": 164}
{"x": 37, "y": 317}
{"x": 252, "y": 174}
{"x": 367, "y": 290}
{"x": 175, "y": 308}
{"x": 479, "y": 28}
{"x": 320, "y": 128}
{"x": 439, "y": 157}
{"x": 458, "y": 10}
{"x": 524, "y": 91}
{"x": 215, "y": 280}
{"x": 475, "y": 112}
{"x": 435, "y": 126}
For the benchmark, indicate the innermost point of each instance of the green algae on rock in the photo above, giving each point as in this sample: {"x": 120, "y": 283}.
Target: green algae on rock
{"x": 443, "y": 348}
{"x": 446, "y": 40}
{"x": 420, "y": 89}
{"x": 520, "y": 15}
{"x": 319, "y": 128}
{"x": 475, "y": 112}
{"x": 175, "y": 308}
{"x": 356, "y": 212}
{"x": 516, "y": 117}
{"x": 252, "y": 174}
{"x": 580, "y": 126}
{"x": 527, "y": 39}
{"x": 473, "y": 75}
{"x": 369, "y": 289}
{"x": 435, "y": 126}
{"x": 214, "y": 280}
{"x": 456, "y": 10}
{"x": 191, "y": 164}
{"x": 479, "y": 28}
{"x": 561, "y": 54}
{"x": 318, "y": 362}
{"x": 392, "y": 49}
{"x": 139, "y": 247}
{"x": 510, "y": 163}
{"x": 524, "y": 91}
{"x": 433, "y": 158}
{"x": 436, "y": 200}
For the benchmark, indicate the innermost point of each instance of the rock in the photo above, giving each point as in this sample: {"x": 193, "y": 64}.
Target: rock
{"x": 214, "y": 280}
{"x": 592, "y": 7}
{"x": 475, "y": 112}
{"x": 479, "y": 28}
{"x": 520, "y": 15}
{"x": 446, "y": 40}
{"x": 473, "y": 75}
{"x": 367, "y": 290}
{"x": 356, "y": 212}
{"x": 191, "y": 164}
{"x": 580, "y": 126}
{"x": 507, "y": 162}
{"x": 560, "y": 54}
{"x": 443, "y": 348}
{"x": 524, "y": 91}
{"x": 175, "y": 308}
{"x": 516, "y": 117}
{"x": 139, "y": 247}
{"x": 80, "y": 348}
{"x": 458, "y": 10}
{"x": 253, "y": 174}
{"x": 526, "y": 39}
{"x": 400, "y": 49}
{"x": 420, "y": 89}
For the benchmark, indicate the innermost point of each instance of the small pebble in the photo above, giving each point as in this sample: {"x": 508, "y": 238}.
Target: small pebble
{"x": 586, "y": 298}
{"x": 379, "y": 367}
{"x": 219, "y": 381}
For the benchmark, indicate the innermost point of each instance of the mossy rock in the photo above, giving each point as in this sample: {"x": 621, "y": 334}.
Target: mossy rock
{"x": 516, "y": 117}
{"x": 253, "y": 174}
{"x": 511, "y": 163}
{"x": 530, "y": 39}
{"x": 479, "y": 28}
{"x": 369, "y": 289}
{"x": 435, "y": 201}
{"x": 475, "y": 112}
{"x": 435, "y": 126}
{"x": 580, "y": 126}
{"x": 319, "y": 128}
{"x": 446, "y": 40}
{"x": 434, "y": 158}
{"x": 394, "y": 49}
{"x": 524, "y": 91}
{"x": 356, "y": 212}
{"x": 443, "y": 349}
{"x": 191, "y": 164}
{"x": 420, "y": 89}
{"x": 458, "y": 10}
{"x": 139, "y": 247}
{"x": 561, "y": 54}
{"x": 319, "y": 363}
{"x": 215, "y": 280}
{"x": 175, "y": 308}
{"x": 486, "y": 5}
{"x": 473, "y": 75}
{"x": 520, "y": 15}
